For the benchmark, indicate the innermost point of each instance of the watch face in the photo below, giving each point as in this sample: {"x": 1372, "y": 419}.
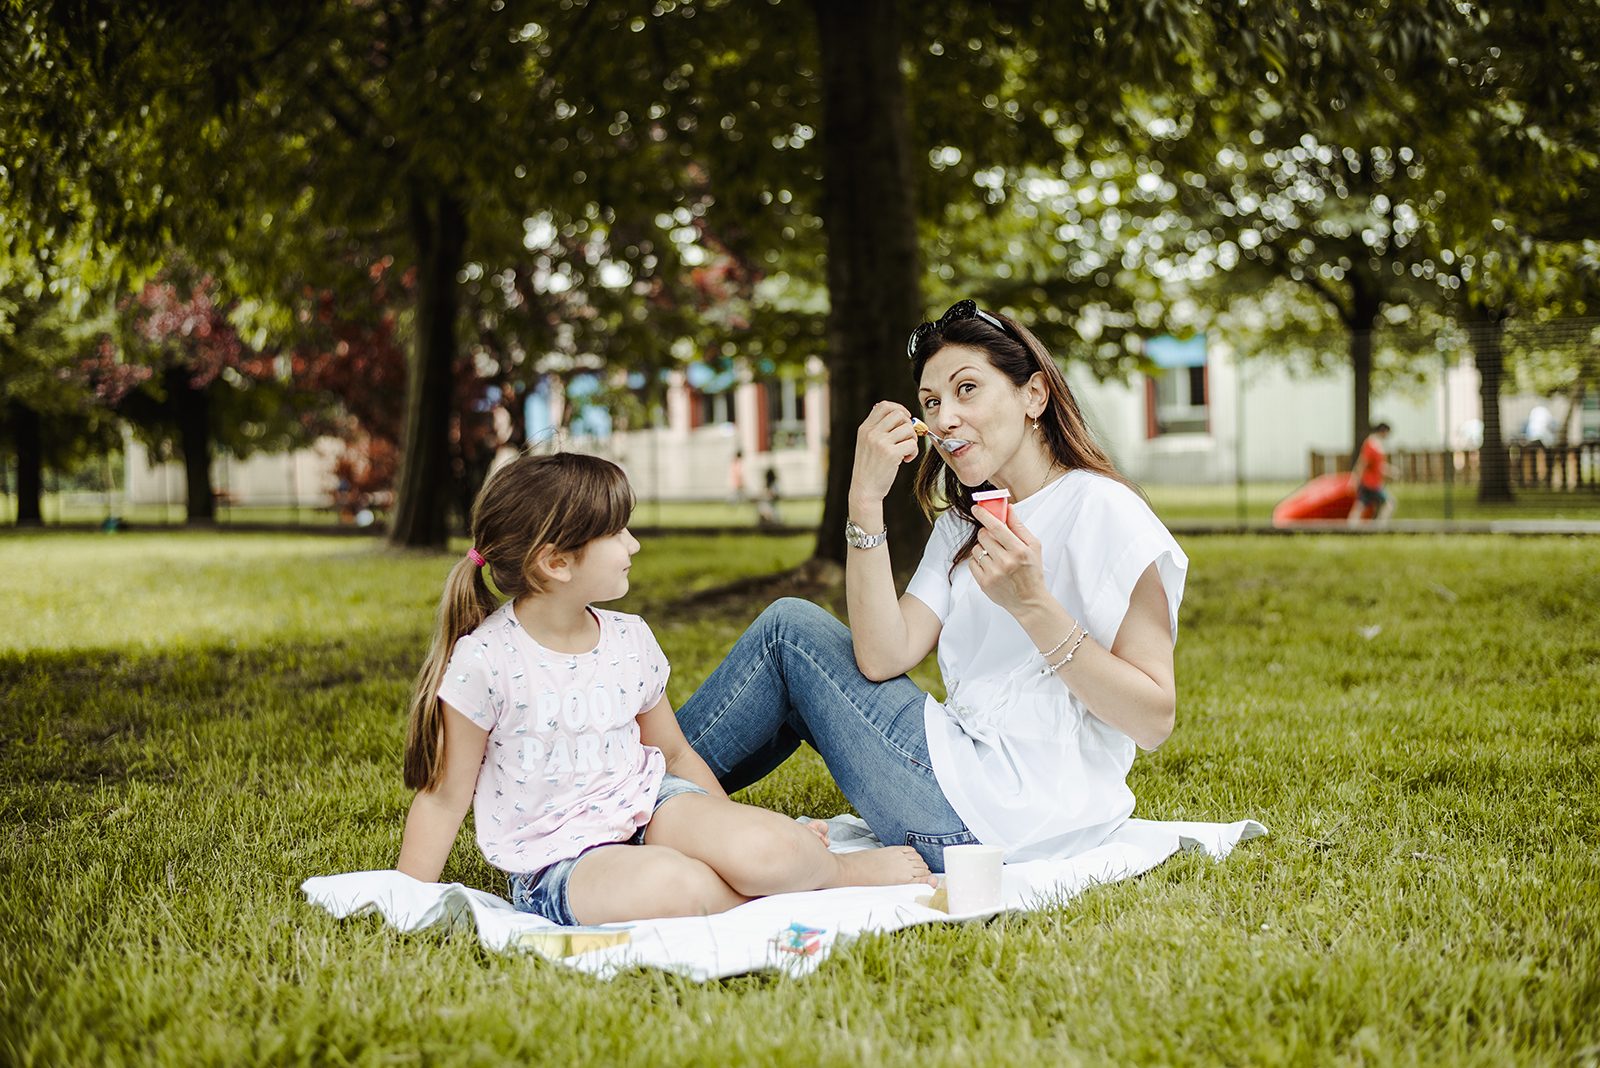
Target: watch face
{"x": 856, "y": 535}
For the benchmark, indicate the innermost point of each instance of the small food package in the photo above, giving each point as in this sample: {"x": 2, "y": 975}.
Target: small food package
{"x": 996, "y": 502}
{"x": 571, "y": 941}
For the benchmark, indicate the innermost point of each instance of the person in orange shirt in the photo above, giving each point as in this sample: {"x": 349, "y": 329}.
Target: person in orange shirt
{"x": 1368, "y": 475}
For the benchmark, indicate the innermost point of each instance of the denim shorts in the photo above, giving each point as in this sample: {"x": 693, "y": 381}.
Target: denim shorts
{"x": 544, "y": 892}
{"x": 1376, "y": 498}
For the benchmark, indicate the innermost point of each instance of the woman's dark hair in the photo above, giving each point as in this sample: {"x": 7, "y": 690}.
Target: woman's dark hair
{"x": 1017, "y": 354}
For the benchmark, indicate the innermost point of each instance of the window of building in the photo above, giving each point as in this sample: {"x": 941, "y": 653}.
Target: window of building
{"x": 713, "y": 393}
{"x": 1177, "y": 396}
{"x": 1588, "y": 428}
{"x": 786, "y": 413}
{"x": 714, "y": 408}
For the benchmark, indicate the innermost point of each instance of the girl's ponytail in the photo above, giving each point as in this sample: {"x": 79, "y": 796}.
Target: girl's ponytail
{"x": 467, "y": 602}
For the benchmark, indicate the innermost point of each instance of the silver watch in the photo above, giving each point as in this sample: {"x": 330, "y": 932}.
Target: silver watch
{"x": 856, "y": 536}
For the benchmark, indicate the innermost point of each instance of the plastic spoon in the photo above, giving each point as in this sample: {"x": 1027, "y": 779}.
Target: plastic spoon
{"x": 945, "y": 445}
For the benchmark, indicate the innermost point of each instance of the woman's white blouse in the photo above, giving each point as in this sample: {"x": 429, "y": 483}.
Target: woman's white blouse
{"x": 1023, "y": 762}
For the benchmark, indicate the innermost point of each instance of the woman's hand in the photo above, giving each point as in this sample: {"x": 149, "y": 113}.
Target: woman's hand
{"x": 884, "y": 442}
{"x": 1007, "y": 562}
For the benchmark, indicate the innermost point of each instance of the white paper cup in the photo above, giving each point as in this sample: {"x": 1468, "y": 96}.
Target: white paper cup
{"x": 972, "y": 878}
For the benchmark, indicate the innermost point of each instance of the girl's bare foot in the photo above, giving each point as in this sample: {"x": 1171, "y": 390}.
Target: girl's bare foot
{"x": 885, "y": 866}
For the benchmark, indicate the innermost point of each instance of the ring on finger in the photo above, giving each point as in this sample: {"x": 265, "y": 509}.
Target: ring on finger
{"x": 983, "y": 554}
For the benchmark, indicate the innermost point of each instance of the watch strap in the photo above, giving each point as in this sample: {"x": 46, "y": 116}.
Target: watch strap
{"x": 858, "y": 538}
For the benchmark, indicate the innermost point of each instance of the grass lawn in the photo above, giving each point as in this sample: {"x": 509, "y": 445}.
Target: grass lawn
{"x": 191, "y": 724}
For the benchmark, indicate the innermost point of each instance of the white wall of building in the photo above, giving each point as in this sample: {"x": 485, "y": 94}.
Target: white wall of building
{"x": 1272, "y": 426}
{"x": 303, "y": 478}
{"x": 681, "y": 461}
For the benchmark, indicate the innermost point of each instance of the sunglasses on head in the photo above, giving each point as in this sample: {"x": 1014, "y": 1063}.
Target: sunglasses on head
{"x": 958, "y": 312}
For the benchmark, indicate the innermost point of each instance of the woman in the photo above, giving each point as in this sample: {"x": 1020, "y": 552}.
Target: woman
{"x": 1054, "y": 628}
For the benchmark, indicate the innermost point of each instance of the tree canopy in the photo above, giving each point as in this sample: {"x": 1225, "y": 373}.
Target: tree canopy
{"x": 584, "y": 184}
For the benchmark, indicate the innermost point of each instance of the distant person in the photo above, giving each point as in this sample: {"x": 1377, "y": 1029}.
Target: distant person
{"x": 1541, "y": 427}
{"x": 344, "y": 499}
{"x": 549, "y": 718}
{"x": 1368, "y": 477}
{"x": 736, "y": 477}
{"x": 767, "y": 507}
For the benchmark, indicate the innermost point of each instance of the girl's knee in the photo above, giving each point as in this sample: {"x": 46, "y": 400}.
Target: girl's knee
{"x": 690, "y": 886}
{"x": 770, "y": 857}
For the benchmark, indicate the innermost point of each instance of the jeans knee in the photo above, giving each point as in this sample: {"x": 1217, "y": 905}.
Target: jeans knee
{"x": 788, "y": 612}
{"x": 801, "y": 622}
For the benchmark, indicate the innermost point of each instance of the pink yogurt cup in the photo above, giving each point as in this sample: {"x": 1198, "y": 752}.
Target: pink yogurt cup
{"x": 996, "y": 502}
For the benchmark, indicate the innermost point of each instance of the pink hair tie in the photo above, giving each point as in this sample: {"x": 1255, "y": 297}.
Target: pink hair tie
{"x": 476, "y": 557}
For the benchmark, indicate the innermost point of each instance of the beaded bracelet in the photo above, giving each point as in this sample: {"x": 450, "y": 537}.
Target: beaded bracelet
{"x": 1064, "y": 661}
{"x": 1056, "y": 648}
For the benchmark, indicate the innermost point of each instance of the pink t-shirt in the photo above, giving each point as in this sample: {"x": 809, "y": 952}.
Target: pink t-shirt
{"x": 564, "y": 768}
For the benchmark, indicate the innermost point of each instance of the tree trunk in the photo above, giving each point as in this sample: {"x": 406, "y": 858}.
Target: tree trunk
{"x": 439, "y": 227}
{"x": 25, "y": 430}
{"x": 191, "y": 409}
{"x": 1494, "y": 459}
{"x": 1362, "y": 323}
{"x": 869, "y": 213}
{"x": 1574, "y": 406}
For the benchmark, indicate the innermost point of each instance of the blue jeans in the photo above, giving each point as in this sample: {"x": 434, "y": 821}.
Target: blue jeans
{"x": 792, "y": 678}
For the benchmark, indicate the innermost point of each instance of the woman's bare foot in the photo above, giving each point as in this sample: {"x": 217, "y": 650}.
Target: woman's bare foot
{"x": 885, "y": 866}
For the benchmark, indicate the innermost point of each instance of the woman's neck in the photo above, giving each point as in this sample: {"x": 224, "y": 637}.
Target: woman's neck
{"x": 1030, "y": 469}
{"x": 556, "y": 624}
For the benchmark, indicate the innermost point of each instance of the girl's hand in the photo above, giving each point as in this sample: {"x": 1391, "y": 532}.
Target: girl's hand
{"x": 884, "y": 442}
{"x": 1007, "y": 562}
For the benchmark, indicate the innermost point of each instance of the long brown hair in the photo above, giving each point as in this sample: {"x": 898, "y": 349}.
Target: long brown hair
{"x": 1017, "y": 354}
{"x": 566, "y": 500}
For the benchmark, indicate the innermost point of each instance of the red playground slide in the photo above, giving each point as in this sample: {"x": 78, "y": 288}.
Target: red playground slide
{"x": 1324, "y": 497}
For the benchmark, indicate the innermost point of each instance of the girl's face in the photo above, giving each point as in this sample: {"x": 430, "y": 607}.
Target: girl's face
{"x": 600, "y": 570}
{"x": 964, "y": 396}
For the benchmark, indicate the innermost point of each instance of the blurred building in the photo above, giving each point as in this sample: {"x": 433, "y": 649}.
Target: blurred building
{"x": 302, "y": 479}
{"x": 681, "y": 442}
{"x": 1204, "y": 416}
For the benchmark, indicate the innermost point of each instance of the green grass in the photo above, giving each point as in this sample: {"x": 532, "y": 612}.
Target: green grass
{"x": 192, "y": 724}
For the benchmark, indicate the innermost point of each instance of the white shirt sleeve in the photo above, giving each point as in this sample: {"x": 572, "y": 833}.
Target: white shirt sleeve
{"x": 931, "y": 583}
{"x": 653, "y": 664}
{"x": 1113, "y": 542}
{"x": 468, "y": 684}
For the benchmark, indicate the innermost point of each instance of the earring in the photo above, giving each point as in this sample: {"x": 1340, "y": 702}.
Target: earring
{"x": 1036, "y": 422}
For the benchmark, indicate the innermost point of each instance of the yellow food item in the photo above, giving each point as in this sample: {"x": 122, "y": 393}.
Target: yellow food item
{"x": 569, "y": 942}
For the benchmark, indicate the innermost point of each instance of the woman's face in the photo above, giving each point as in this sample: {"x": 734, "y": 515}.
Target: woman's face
{"x": 963, "y": 396}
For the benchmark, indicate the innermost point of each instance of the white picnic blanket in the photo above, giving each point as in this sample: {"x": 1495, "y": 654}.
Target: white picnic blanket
{"x": 757, "y": 936}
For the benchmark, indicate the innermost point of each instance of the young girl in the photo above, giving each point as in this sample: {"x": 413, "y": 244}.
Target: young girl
{"x": 550, "y": 718}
